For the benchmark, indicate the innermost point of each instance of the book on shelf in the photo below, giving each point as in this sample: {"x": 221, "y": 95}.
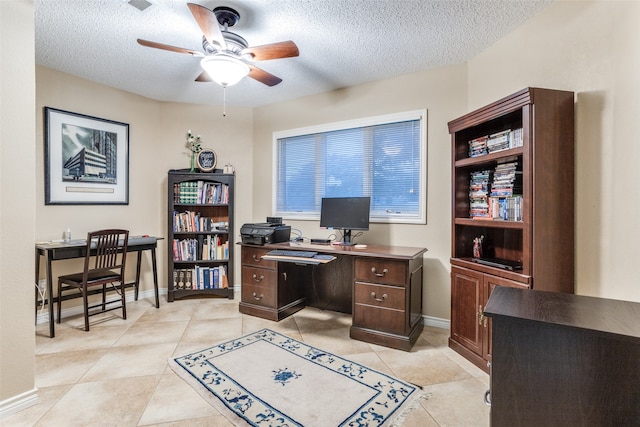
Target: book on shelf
{"x": 200, "y": 192}
{"x": 202, "y": 248}
{"x": 499, "y": 141}
{"x": 201, "y": 278}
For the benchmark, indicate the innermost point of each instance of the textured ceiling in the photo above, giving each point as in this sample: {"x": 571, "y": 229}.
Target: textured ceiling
{"x": 342, "y": 42}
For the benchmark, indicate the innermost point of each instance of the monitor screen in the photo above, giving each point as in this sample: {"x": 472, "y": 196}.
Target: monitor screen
{"x": 347, "y": 213}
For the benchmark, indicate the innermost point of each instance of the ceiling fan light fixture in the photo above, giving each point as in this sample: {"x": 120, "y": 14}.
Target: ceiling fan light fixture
{"x": 224, "y": 69}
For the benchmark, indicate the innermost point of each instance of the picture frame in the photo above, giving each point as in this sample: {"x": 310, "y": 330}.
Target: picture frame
{"x": 206, "y": 159}
{"x": 86, "y": 159}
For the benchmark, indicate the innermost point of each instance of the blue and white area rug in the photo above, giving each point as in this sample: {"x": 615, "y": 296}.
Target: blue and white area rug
{"x": 268, "y": 379}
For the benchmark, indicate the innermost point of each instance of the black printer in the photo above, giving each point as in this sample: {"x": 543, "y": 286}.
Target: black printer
{"x": 265, "y": 232}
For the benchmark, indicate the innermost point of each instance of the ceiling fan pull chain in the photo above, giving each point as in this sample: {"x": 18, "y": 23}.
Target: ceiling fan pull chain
{"x": 224, "y": 101}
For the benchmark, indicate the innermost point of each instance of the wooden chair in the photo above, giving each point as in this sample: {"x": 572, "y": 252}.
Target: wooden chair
{"x": 104, "y": 267}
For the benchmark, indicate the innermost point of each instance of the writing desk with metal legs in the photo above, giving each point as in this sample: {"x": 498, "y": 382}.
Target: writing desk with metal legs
{"x": 57, "y": 251}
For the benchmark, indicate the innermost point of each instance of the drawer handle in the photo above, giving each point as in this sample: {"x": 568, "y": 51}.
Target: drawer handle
{"x": 487, "y": 398}
{"x": 256, "y": 258}
{"x": 256, "y": 297}
{"x": 374, "y": 271}
{"x": 258, "y": 279}
{"x": 384, "y": 297}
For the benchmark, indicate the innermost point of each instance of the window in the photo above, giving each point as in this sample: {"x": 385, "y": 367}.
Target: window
{"x": 382, "y": 157}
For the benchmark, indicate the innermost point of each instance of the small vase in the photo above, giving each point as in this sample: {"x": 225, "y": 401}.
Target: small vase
{"x": 193, "y": 162}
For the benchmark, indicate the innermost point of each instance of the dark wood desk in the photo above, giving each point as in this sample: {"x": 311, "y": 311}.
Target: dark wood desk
{"x": 563, "y": 360}
{"x": 56, "y": 251}
{"x": 380, "y": 286}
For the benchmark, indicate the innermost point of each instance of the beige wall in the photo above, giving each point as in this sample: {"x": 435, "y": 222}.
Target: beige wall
{"x": 17, "y": 181}
{"x": 157, "y": 136}
{"x": 442, "y": 92}
{"x": 593, "y": 49}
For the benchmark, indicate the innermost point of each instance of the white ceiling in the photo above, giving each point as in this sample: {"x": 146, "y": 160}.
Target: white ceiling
{"x": 342, "y": 42}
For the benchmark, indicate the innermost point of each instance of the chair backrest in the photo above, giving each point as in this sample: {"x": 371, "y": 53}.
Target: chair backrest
{"x": 108, "y": 248}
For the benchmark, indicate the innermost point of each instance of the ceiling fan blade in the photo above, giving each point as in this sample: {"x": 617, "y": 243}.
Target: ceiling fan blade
{"x": 169, "y": 47}
{"x": 204, "y": 77}
{"x": 208, "y": 23}
{"x": 262, "y": 76}
{"x": 287, "y": 49}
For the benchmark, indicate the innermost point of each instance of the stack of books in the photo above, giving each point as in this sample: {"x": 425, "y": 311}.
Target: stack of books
{"x": 506, "y": 192}
{"x": 503, "y": 140}
{"x": 478, "y": 147}
{"x": 479, "y": 194}
{"x": 200, "y": 192}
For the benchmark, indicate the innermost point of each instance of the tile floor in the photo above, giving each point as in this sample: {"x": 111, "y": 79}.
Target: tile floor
{"x": 117, "y": 375}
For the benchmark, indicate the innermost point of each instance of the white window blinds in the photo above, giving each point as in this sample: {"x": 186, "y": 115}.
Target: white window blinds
{"x": 381, "y": 157}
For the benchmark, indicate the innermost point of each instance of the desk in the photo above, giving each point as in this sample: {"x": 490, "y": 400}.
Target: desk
{"x": 563, "y": 359}
{"x": 380, "y": 286}
{"x": 77, "y": 249}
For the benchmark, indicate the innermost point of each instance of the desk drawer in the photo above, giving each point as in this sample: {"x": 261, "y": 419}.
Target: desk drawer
{"x": 390, "y": 297}
{"x": 381, "y": 271}
{"x": 259, "y": 295}
{"x": 258, "y": 276}
{"x": 380, "y": 308}
{"x": 252, "y": 256}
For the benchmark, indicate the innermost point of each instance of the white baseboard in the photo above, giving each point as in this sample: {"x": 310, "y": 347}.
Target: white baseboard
{"x": 18, "y": 403}
{"x": 43, "y": 315}
{"x": 436, "y": 322}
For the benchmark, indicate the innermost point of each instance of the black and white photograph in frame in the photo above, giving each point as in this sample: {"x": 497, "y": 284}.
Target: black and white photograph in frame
{"x": 86, "y": 159}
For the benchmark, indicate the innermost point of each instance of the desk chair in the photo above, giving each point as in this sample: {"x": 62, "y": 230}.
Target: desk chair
{"x": 108, "y": 248}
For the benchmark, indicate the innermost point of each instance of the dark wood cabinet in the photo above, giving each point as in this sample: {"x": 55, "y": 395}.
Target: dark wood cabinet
{"x": 200, "y": 234}
{"x": 563, "y": 360}
{"x": 532, "y": 225}
{"x": 270, "y": 289}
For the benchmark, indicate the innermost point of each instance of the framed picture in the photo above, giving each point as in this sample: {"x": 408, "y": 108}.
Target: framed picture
{"x": 206, "y": 160}
{"x": 86, "y": 159}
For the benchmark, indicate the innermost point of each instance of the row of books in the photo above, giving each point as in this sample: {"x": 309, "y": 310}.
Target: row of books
{"x": 203, "y": 248}
{"x": 193, "y": 221}
{"x": 499, "y": 141}
{"x": 506, "y": 208}
{"x": 200, "y": 192}
{"x": 479, "y": 193}
{"x": 200, "y": 278}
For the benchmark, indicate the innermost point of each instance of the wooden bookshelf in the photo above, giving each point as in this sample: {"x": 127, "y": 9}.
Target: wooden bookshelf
{"x": 200, "y": 230}
{"x": 542, "y": 241}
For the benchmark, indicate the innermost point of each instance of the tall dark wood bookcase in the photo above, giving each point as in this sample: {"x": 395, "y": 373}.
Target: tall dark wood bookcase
{"x": 541, "y": 239}
{"x": 200, "y": 234}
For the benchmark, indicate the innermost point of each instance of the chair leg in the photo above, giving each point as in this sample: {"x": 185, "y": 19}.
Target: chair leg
{"x": 59, "y": 300}
{"x": 124, "y": 300}
{"x": 86, "y": 307}
{"x": 104, "y": 297}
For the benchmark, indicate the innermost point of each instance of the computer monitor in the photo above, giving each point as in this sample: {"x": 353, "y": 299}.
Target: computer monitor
{"x": 346, "y": 214}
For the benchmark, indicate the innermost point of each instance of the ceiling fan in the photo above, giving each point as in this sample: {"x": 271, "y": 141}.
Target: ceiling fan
{"x": 226, "y": 57}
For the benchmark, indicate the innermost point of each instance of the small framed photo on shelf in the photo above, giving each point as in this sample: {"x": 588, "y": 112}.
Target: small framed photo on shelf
{"x": 86, "y": 159}
{"x": 206, "y": 160}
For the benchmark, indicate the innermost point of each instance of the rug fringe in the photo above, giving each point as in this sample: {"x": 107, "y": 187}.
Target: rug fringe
{"x": 404, "y": 413}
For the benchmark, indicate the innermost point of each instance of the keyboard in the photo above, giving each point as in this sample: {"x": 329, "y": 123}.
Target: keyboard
{"x": 297, "y": 254}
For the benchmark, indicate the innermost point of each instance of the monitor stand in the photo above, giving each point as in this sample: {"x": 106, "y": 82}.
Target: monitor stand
{"x": 346, "y": 239}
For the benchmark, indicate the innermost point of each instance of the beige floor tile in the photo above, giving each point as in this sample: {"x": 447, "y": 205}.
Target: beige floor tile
{"x": 180, "y": 310}
{"x": 419, "y": 417}
{"x": 102, "y": 403}
{"x": 458, "y": 403}
{"x": 67, "y": 367}
{"x": 75, "y": 339}
{"x": 215, "y": 421}
{"x": 175, "y": 400}
{"x": 213, "y": 330}
{"x": 336, "y": 341}
{"x": 130, "y": 361}
{"x": 285, "y": 326}
{"x": 312, "y": 320}
{"x": 216, "y": 308}
{"x": 153, "y": 333}
{"x": 427, "y": 366}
